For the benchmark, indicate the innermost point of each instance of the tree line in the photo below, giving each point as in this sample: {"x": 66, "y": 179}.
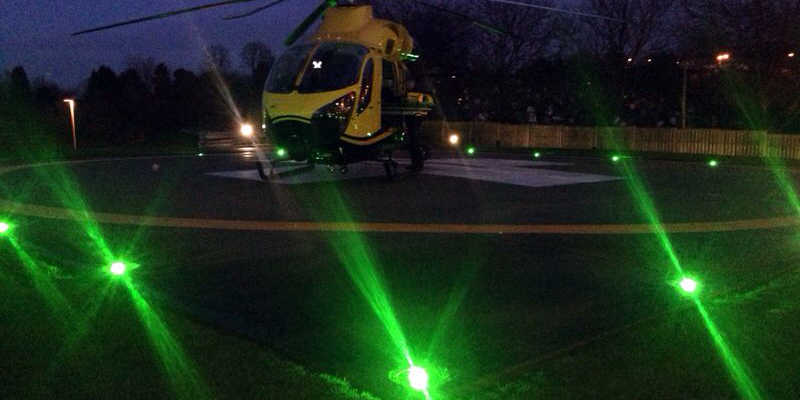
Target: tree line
{"x": 146, "y": 103}
{"x": 647, "y": 63}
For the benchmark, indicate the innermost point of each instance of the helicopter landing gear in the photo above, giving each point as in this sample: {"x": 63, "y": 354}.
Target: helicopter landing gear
{"x": 262, "y": 173}
{"x": 390, "y": 166}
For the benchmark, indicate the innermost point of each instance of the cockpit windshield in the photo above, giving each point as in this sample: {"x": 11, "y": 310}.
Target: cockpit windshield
{"x": 333, "y": 66}
{"x": 285, "y": 71}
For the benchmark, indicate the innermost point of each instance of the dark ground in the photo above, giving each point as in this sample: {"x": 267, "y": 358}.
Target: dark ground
{"x": 498, "y": 316}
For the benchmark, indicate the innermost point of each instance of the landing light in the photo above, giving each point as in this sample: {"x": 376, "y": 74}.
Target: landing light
{"x": 418, "y": 378}
{"x": 117, "y": 268}
{"x": 246, "y": 130}
{"x": 454, "y": 139}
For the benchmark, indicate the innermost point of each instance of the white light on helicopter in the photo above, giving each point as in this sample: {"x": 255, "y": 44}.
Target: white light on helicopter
{"x": 454, "y": 139}
{"x": 246, "y": 130}
{"x": 317, "y": 64}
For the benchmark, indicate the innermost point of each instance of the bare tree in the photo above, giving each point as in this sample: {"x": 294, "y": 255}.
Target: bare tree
{"x": 763, "y": 80}
{"x": 529, "y": 33}
{"x": 639, "y": 26}
{"x": 254, "y": 54}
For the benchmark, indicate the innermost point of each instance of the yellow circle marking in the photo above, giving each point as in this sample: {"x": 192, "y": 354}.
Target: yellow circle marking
{"x": 49, "y": 212}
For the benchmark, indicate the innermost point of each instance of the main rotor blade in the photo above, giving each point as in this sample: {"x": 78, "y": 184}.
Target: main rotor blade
{"x": 259, "y": 9}
{"x": 556, "y": 10}
{"x": 466, "y": 17}
{"x": 163, "y": 15}
{"x": 303, "y": 27}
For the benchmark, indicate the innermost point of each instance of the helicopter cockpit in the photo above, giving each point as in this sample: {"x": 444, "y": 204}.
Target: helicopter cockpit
{"x": 323, "y": 67}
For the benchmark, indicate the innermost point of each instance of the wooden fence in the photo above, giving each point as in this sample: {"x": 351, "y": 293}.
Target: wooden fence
{"x": 665, "y": 140}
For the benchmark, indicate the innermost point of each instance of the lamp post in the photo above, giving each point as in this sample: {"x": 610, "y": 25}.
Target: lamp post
{"x": 71, "y": 103}
{"x": 721, "y": 58}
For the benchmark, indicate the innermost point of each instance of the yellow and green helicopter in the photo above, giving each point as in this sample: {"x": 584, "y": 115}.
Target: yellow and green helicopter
{"x": 341, "y": 95}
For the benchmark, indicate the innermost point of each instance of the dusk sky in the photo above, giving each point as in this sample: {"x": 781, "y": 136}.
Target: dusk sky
{"x": 36, "y": 34}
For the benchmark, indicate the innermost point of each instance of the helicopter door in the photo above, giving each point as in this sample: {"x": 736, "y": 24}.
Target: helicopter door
{"x": 390, "y": 95}
{"x": 367, "y": 117}
{"x": 389, "y": 83}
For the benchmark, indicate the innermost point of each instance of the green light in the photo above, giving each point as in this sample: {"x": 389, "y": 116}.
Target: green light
{"x": 200, "y": 154}
{"x": 281, "y": 152}
{"x": 688, "y": 285}
{"x": 615, "y": 158}
{"x": 117, "y": 268}
{"x": 4, "y": 228}
{"x": 537, "y": 154}
{"x": 418, "y": 378}
{"x": 712, "y": 163}
{"x": 470, "y": 150}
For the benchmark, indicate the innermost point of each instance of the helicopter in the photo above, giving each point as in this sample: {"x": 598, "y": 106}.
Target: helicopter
{"x": 341, "y": 96}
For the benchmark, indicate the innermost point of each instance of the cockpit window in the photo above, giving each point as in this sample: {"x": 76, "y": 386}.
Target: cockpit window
{"x": 333, "y": 66}
{"x": 285, "y": 71}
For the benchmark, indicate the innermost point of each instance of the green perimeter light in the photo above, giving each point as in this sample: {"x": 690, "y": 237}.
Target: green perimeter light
{"x": 281, "y": 152}
{"x": 418, "y": 378}
{"x": 4, "y": 228}
{"x": 537, "y": 154}
{"x": 470, "y": 150}
{"x": 117, "y": 268}
{"x": 615, "y": 158}
{"x": 688, "y": 285}
{"x": 713, "y": 163}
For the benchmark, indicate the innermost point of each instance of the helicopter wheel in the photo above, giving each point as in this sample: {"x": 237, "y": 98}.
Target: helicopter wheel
{"x": 261, "y": 173}
{"x": 390, "y": 166}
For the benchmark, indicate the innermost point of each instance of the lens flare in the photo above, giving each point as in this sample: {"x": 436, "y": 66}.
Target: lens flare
{"x": 118, "y": 268}
{"x": 246, "y": 130}
{"x": 688, "y": 285}
{"x": 418, "y": 378}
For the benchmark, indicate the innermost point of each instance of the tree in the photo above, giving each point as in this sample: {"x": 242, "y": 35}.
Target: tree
{"x": 145, "y": 66}
{"x": 761, "y": 81}
{"x": 19, "y": 85}
{"x": 217, "y": 58}
{"x": 255, "y": 55}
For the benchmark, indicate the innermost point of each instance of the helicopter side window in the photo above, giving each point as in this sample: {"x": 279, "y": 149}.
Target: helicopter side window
{"x": 366, "y": 87}
{"x": 284, "y": 74}
{"x": 389, "y": 82}
{"x": 333, "y": 66}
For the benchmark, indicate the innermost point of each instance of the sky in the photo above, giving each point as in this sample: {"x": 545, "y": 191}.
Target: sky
{"x": 36, "y": 34}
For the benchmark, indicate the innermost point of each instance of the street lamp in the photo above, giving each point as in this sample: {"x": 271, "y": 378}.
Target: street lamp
{"x": 71, "y": 103}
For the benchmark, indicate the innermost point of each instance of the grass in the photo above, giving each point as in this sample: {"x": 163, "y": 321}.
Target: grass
{"x": 98, "y": 348}
{"x": 672, "y": 357}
